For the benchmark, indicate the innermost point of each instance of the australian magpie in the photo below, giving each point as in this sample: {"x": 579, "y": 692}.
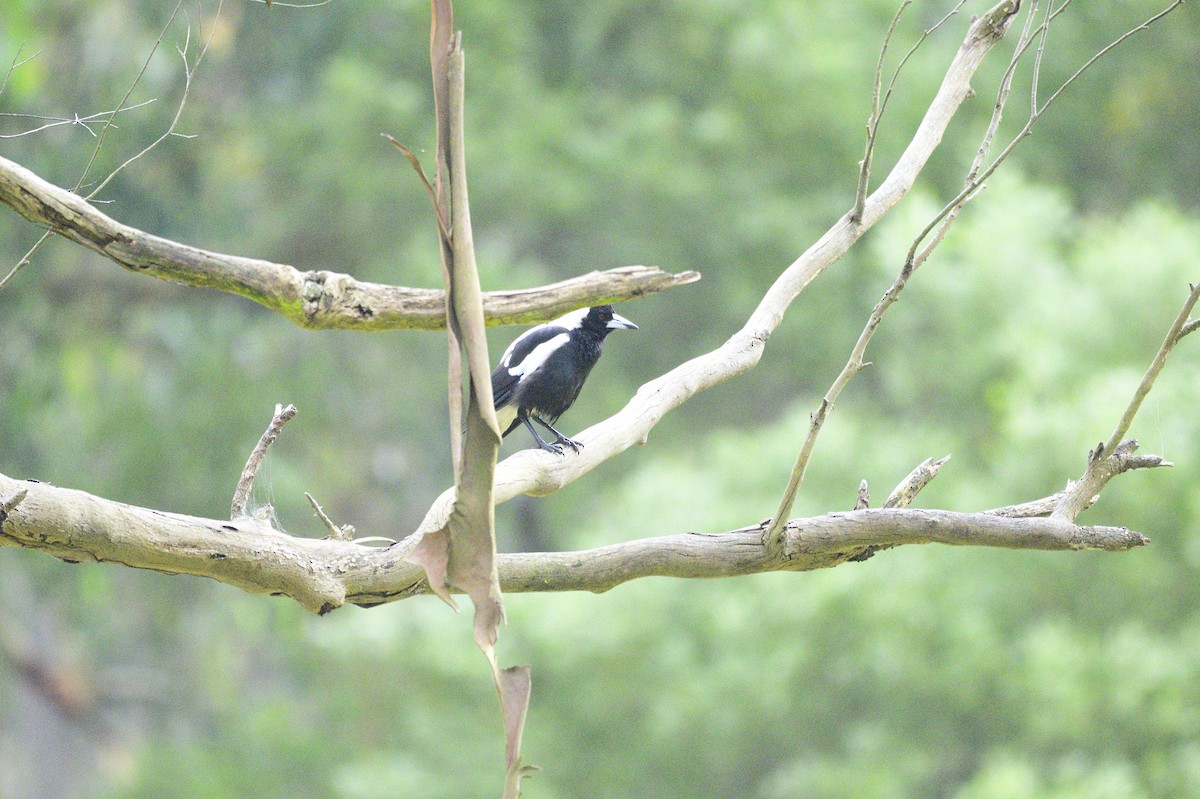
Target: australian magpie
{"x": 541, "y": 372}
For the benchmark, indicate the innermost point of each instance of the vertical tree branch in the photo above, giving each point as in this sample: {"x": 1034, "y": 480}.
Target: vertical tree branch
{"x": 462, "y": 553}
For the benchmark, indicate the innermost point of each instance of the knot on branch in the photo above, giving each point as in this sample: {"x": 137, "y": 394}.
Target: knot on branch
{"x": 322, "y": 292}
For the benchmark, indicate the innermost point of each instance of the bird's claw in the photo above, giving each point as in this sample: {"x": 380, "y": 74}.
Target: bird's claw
{"x": 557, "y": 449}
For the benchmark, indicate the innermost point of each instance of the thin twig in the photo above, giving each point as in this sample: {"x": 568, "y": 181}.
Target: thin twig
{"x": 1002, "y": 93}
{"x": 54, "y": 122}
{"x": 1104, "y": 50}
{"x": 241, "y": 495}
{"x": 1043, "y": 35}
{"x": 336, "y": 533}
{"x": 917, "y": 258}
{"x": 24, "y": 262}
{"x": 864, "y": 172}
{"x": 17, "y": 62}
{"x": 189, "y": 70}
{"x": 138, "y": 79}
{"x": 974, "y": 185}
{"x": 879, "y": 106}
{"x": 925, "y": 34}
{"x": 1174, "y": 334}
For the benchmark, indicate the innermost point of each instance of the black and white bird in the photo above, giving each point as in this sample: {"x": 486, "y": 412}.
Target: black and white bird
{"x": 541, "y": 372}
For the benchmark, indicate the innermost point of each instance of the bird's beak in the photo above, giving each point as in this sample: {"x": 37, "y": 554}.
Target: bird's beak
{"x": 619, "y": 321}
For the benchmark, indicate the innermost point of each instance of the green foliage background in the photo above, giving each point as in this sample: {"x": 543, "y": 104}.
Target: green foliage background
{"x": 705, "y": 135}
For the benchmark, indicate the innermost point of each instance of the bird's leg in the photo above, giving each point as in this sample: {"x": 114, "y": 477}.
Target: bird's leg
{"x": 574, "y": 445}
{"x": 541, "y": 441}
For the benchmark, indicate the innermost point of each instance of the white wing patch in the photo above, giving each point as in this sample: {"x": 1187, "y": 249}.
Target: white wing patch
{"x": 570, "y": 321}
{"x": 537, "y": 356}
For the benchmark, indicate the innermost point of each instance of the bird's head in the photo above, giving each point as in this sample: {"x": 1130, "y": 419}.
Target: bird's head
{"x": 602, "y": 319}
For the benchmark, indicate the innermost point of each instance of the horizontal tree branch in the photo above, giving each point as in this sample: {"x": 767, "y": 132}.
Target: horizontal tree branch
{"x": 315, "y": 300}
{"x": 323, "y": 574}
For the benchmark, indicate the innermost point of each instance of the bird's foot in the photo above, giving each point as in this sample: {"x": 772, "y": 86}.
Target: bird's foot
{"x": 557, "y": 446}
{"x": 574, "y": 445}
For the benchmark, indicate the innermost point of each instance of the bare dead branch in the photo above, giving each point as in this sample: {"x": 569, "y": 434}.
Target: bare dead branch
{"x": 241, "y": 495}
{"x": 1104, "y": 51}
{"x": 855, "y": 361}
{"x": 323, "y": 574}
{"x": 974, "y": 185}
{"x": 917, "y": 253}
{"x": 316, "y": 300}
{"x": 1116, "y": 455}
{"x": 188, "y": 70}
{"x": 1046, "y": 505}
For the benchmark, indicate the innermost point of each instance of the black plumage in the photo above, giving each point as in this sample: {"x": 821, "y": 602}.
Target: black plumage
{"x": 542, "y": 372}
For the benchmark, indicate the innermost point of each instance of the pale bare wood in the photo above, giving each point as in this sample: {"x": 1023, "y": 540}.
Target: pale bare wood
{"x": 315, "y": 300}
{"x": 323, "y": 574}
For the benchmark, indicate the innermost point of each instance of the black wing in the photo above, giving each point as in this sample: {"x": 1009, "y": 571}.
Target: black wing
{"x": 504, "y": 382}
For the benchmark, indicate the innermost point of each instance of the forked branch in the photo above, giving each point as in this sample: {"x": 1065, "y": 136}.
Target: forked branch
{"x": 923, "y": 246}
